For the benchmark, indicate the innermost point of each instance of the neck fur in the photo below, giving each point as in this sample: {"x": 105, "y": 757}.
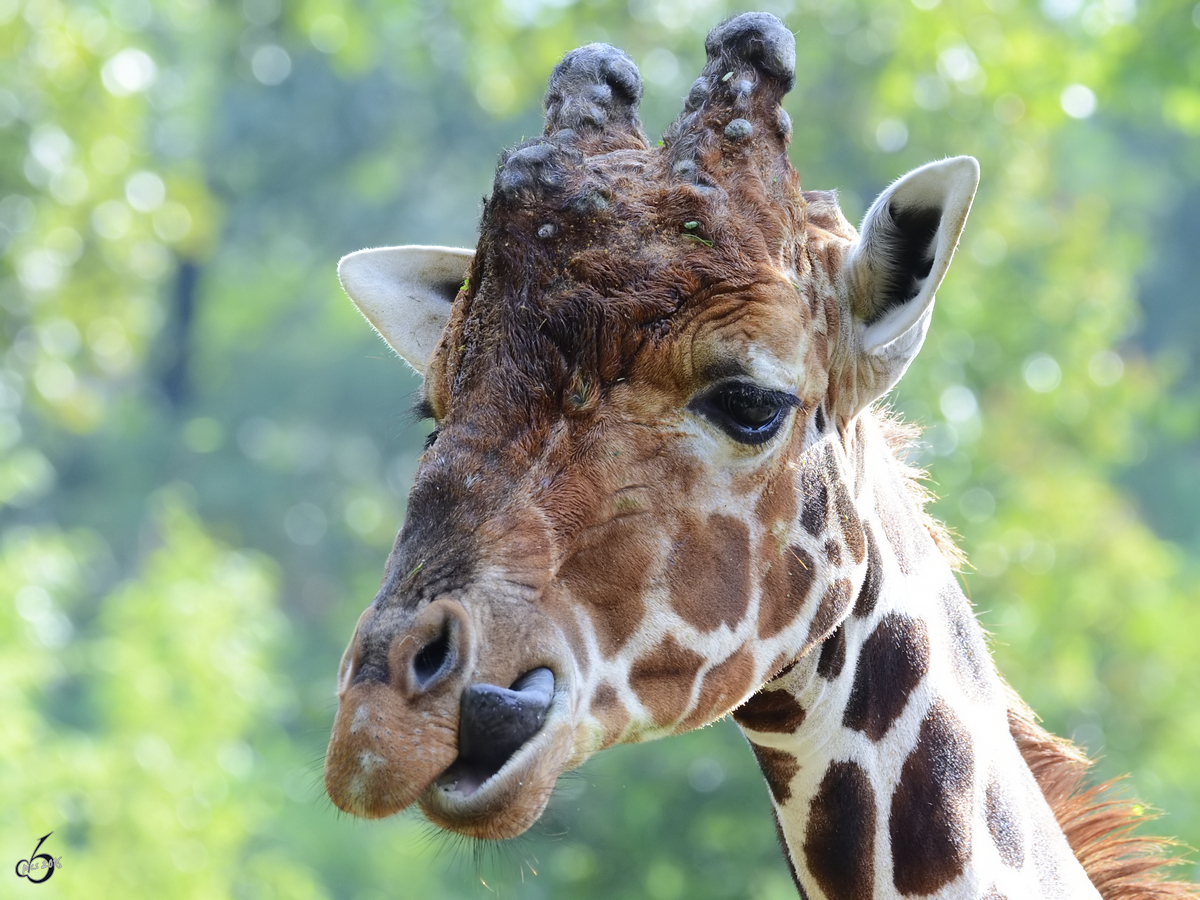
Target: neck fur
{"x": 888, "y": 749}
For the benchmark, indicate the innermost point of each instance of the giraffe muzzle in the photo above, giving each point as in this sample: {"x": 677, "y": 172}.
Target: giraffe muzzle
{"x": 478, "y": 739}
{"x": 494, "y": 723}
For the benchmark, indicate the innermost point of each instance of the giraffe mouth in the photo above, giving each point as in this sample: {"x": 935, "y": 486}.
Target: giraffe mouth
{"x": 494, "y": 723}
{"x": 512, "y": 746}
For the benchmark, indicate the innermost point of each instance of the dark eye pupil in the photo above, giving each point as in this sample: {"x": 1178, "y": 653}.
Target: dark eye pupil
{"x": 747, "y": 413}
{"x": 750, "y": 412}
{"x": 748, "y": 409}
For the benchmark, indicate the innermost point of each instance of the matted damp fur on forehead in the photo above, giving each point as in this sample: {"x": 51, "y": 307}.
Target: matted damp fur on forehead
{"x": 582, "y": 260}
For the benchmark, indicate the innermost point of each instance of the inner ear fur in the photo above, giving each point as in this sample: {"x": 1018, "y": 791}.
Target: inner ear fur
{"x": 906, "y": 242}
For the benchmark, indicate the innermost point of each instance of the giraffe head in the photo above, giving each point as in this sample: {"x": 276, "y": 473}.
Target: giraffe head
{"x": 631, "y": 514}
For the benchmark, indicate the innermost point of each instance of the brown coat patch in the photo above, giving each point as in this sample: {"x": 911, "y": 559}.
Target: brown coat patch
{"x": 608, "y": 576}
{"x": 724, "y": 685}
{"x": 969, "y": 655}
{"x": 663, "y": 679}
{"x": 901, "y": 526}
{"x": 1003, "y": 822}
{"x": 780, "y": 666}
{"x": 608, "y": 708}
{"x": 833, "y": 552}
{"x": 892, "y": 662}
{"x": 831, "y": 611}
{"x": 930, "y": 821}
{"x": 868, "y": 594}
{"x": 839, "y": 842}
{"x": 785, "y": 587}
{"x": 779, "y": 768}
{"x": 860, "y": 456}
{"x": 814, "y": 515}
{"x": 847, "y": 515}
{"x": 710, "y": 573}
{"x": 770, "y": 711}
{"x": 777, "y": 503}
{"x": 833, "y": 655}
{"x": 787, "y": 855}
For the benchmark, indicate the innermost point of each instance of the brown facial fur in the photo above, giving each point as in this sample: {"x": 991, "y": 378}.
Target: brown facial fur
{"x": 710, "y": 574}
{"x": 663, "y": 679}
{"x": 724, "y": 685}
{"x": 608, "y": 708}
{"x": 785, "y": 589}
{"x": 614, "y": 283}
{"x": 610, "y": 593}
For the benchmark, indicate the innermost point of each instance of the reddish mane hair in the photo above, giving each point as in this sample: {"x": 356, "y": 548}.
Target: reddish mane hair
{"x": 1099, "y": 824}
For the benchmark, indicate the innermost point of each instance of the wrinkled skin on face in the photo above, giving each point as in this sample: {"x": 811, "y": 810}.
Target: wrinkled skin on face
{"x": 610, "y": 538}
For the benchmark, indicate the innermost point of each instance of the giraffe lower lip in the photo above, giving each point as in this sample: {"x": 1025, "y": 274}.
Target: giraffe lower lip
{"x": 507, "y": 802}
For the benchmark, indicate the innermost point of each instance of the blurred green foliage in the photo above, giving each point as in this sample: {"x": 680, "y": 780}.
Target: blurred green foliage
{"x": 204, "y": 453}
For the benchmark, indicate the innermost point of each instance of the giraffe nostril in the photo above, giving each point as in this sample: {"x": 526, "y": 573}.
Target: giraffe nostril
{"x": 432, "y": 660}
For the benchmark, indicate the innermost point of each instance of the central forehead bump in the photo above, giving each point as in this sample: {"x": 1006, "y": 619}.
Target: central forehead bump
{"x": 530, "y": 171}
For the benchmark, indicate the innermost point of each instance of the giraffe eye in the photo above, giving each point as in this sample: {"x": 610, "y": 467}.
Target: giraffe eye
{"x": 424, "y": 410}
{"x": 747, "y": 413}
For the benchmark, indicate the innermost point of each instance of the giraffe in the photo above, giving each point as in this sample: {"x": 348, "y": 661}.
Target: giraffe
{"x": 660, "y": 490}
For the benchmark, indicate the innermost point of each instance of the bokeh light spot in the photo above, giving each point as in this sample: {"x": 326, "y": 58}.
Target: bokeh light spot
{"x": 271, "y": 64}
{"x": 130, "y": 71}
{"x": 1042, "y": 373}
{"x": 1078, "y": 101}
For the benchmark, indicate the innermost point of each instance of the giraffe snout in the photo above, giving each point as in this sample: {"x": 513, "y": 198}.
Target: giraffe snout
{"x": 478, "y": 735}
{"x": 398, "y": 698}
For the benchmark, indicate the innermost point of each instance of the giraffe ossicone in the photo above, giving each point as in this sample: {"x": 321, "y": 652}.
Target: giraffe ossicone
{"x": 659, "y": 492}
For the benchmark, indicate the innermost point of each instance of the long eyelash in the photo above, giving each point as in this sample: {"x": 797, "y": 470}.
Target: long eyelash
{"x": 756, "y": 394}
{"x": 431, "y": 437}
{"x": 423, "y": 409}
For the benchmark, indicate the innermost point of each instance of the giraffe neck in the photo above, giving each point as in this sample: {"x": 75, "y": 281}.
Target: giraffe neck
{"x": 887, "y": 749}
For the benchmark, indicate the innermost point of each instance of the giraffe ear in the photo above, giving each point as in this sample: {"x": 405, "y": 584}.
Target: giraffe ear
{"x": 406, "y": 294}
{"x": 907, "y": 239}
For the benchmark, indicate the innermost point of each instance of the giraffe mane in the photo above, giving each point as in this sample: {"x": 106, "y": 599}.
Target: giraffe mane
{"x": 901, "y": 438}
{"x": 1100, "y": 825}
